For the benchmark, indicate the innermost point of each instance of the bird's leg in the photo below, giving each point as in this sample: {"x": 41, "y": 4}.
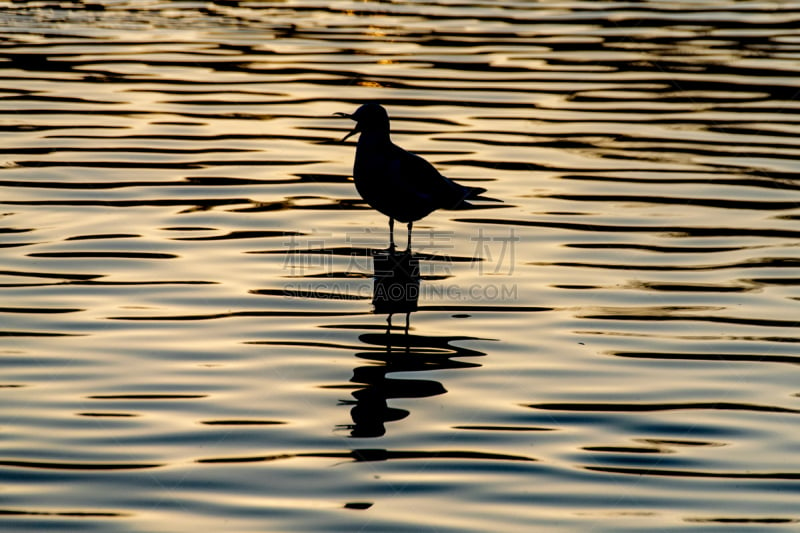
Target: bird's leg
{"x": 408, "y": 341}
{"x": 408, "y": 244}
{"x": 391, "y": 235}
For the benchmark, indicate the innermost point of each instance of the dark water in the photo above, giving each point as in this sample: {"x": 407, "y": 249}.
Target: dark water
{"x": 187, "y": 340}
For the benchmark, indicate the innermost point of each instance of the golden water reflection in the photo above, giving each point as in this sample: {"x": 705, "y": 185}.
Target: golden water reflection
{"x": 189, "y": 333}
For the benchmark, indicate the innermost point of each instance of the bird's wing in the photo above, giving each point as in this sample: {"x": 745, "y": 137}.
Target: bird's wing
{"x": 426, "y": 182}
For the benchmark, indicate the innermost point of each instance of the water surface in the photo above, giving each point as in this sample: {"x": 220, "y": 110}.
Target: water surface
{"x": 188, "y": 340}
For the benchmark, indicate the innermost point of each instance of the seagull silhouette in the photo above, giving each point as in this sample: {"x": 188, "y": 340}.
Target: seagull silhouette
{"x": 401, "y": 185}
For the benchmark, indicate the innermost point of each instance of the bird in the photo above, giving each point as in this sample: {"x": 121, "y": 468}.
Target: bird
{"x": 401, "y": 185}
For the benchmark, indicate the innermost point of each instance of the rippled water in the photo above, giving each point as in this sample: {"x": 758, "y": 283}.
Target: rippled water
{"x": 188, "y": 339}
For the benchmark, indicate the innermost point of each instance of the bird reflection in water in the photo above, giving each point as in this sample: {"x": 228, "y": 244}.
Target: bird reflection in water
{"x": 396, "y": 291}
{"x": 396, "y": 284}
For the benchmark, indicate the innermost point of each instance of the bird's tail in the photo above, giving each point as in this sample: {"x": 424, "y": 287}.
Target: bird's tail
{"x": 472, "y": 193}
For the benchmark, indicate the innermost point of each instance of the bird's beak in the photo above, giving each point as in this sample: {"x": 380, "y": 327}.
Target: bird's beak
{"x": 355, "y": 130}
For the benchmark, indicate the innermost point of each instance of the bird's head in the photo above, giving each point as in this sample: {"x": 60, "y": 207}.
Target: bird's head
{"x": 368, "y": 117}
